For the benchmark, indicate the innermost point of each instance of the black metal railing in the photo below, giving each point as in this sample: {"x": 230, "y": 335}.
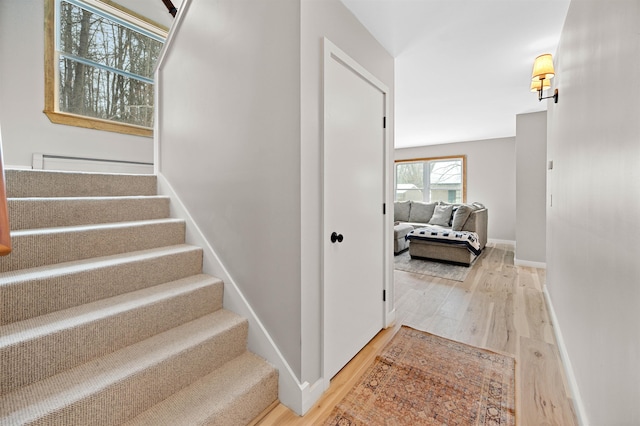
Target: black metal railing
{"x": 172, "y": 9}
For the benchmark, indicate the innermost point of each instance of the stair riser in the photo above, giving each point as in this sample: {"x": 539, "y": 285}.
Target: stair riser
{"x": 48, "y": 355}
{"x": 35, "y": 249}
{"x": 20, "y": 300}
{"x": 127, "y": 398}
{"x": 249, "y": 405}
{"x": 234, "y": 394}
{"x": 32, "y": 213}
{"x": 33, "y": 183}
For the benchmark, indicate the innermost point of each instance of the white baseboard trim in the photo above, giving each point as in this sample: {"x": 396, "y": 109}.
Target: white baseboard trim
{"x": 530, "y": 264}
{"x": 495, "y": 241}
{"x": 578, "y": 405}
{"x": 390, "y": 318}
{"x": 311, "y": 394}
{"x": 299, "y": 397}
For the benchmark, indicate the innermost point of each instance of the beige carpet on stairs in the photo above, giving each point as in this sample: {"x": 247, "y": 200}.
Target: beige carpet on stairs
{"x": 106, "y": 317}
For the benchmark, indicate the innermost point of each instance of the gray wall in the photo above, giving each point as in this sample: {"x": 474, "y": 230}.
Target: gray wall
{"x": 491, "y": 178}
{"x": 229, "y": 135}
{"x": 593, "y": 274}
{"x": 531, "y": 188}
{"x": 25, "y": 128}
{"x": 240, "y": 142}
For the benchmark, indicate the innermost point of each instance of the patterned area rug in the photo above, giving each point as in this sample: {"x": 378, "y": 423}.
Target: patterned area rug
{"x": 423, "y": 379}
{"x": 404, "y": 262}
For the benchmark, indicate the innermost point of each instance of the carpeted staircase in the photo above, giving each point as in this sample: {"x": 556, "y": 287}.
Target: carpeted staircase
{"x": 106, "y": 317}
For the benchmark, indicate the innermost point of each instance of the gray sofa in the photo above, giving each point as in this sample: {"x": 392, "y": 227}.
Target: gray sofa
{"x": 409, "y": 215}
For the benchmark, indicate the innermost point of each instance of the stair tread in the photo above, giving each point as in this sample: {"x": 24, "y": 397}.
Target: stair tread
{"x": 53, "y": 393}
{"x": 208, "y": 397}
{"x": 33, "y": 328}
{"x": 75, "y": 266}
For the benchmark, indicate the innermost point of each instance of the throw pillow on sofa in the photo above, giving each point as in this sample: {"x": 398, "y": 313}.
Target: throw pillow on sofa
{"x": 421, "y": 212}
{"x": 460, "y": 216}
{"x": 441, "y": 215}
{"x": 401, "y": 211}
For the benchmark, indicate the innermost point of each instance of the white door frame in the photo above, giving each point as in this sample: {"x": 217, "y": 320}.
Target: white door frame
{"x": 331, "y": 51}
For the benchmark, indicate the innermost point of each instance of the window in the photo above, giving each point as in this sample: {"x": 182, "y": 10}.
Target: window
{"x": 99, "y": 63}
{"x": 432, "y": 179}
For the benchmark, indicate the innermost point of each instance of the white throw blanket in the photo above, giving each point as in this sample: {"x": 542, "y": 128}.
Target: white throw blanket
{"x": 447, "y": 236}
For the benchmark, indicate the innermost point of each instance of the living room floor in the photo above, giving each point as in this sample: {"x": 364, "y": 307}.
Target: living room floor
{"x": 498, "y": 306}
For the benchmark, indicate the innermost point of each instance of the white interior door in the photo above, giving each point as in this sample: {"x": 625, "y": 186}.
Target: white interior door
{"x": 354, "y": 148}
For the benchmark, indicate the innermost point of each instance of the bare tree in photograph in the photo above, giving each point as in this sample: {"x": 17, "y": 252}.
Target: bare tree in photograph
{"x": 105, "y": 68}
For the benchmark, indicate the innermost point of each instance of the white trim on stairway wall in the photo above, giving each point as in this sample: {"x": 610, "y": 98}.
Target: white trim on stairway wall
{"x": 41, "y": 161}
{"x": 299, "y": 397}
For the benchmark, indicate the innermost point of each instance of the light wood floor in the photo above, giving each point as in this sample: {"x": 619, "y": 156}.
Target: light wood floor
{"x": 499, "y": 306}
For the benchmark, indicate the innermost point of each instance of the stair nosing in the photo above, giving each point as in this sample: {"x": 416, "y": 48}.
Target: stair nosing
{"x": 93, "y": 227}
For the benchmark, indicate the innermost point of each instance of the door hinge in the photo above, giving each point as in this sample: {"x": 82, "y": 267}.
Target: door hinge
{"x": 384, "y": 208}
{"x": 384, "y": 295}
{"x": 384, "y": 122}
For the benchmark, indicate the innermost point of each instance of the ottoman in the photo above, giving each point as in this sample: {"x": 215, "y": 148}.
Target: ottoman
{"x": 400, "y": 243}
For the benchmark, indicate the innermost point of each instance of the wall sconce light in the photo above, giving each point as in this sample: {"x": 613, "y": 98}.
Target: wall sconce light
{"x": 542, "y": 73}
{"x": 535, "y": 85}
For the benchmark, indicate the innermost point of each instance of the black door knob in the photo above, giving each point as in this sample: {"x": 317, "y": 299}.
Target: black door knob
{"x": 336, "y": 237}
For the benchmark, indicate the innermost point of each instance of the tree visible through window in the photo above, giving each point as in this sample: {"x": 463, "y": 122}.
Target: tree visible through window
{"x": 103, "y": 64}
{"x": 433, "y": 179}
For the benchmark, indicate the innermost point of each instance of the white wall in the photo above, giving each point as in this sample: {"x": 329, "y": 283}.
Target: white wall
{"x": 592, "y": 243}
{"x": 331, "y": 19}
{"x": 229, "y": 134}
{"x": 531, "y": 188}
{"x": 25, "y": 128}
{"x": 491, "y": 178}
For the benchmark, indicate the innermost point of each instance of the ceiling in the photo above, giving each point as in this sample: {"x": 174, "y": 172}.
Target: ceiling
{"x": 462, "y": 67}
{"x": 154, "y": 10}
